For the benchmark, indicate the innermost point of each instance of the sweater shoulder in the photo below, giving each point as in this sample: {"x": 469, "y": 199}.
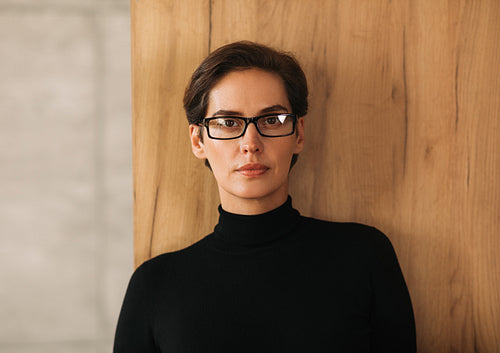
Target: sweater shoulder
{"x": 361, "y": 243}
{"x": 345, "y": 232}
{"x": 159, "y": 265}
{"x": 348, "y": 228}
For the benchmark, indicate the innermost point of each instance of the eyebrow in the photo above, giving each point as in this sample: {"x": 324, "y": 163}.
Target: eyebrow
{"x": 271, "y": 109}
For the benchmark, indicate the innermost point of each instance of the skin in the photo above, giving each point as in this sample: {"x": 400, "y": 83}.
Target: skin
{"x": 251, "y": 171}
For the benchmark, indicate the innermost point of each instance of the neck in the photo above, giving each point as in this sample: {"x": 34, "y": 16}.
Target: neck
{"x": 253, "y": 206}
{"x": 251, "y": 231}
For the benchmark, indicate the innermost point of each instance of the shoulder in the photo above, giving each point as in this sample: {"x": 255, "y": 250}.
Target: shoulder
{"x": 346, "y": 235}
{"x": 355, "y": 245}
{"x": 165, "y": 264}
{"x": 353, "y": 231}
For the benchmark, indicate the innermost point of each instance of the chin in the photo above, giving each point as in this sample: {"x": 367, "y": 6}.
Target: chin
{"x": 252, "y": 194}
{"x": 256, "y": 192}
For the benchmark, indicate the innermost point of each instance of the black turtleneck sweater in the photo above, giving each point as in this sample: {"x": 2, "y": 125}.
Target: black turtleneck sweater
{"x": 275, "y": 282}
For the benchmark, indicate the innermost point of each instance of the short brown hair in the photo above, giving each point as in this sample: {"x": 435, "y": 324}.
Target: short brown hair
{"x": 241, "y": 56}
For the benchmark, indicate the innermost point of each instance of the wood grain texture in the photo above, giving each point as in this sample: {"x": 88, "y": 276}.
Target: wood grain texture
{"x": 174, "y": 193}
{"x": 403, "y": 133}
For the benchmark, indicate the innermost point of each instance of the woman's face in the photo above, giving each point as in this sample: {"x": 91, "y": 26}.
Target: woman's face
{"x": 252, "y": 170}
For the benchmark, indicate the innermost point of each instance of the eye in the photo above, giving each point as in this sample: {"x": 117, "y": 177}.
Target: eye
{"x": 271, "y": 120}
{"x": 226, "y": 123}
{"x": 229, "y": 122}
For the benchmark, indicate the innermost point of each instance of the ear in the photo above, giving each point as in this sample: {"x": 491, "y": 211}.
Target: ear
{"x": 197, "y": 146}
{"x": 299, "y": 144}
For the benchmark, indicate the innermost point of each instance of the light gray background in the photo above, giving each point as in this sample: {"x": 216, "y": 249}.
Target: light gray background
{"x": 65, "y": 177}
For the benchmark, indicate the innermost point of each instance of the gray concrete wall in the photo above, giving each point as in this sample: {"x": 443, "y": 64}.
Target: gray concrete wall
{"x": 65, "y": 177}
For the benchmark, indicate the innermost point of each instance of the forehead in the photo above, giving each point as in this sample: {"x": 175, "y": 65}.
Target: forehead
{"x": 248, "y": 92}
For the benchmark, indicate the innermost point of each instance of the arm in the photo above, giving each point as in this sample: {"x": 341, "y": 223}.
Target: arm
{"x": 134, "y": 332}
{"x": 392, "y": 320}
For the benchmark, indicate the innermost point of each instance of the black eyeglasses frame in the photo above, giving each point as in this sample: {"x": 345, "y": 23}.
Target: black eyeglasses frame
{"x": 248, "y": 121}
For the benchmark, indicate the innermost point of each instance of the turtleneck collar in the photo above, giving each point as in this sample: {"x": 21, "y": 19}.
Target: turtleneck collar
{"x": 255, "y": 230}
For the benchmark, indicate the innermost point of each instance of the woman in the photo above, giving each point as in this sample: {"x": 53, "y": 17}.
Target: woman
{"x": 267, "y": 279}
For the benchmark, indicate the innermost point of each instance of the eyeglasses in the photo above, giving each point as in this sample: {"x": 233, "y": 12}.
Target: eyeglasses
{"x": 232, "y": 127}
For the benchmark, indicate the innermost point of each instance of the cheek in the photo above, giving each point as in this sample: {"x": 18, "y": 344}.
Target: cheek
{"x": 285, "y": 150}
{"x": 219, "y": 158}
{"x": 283, "y": 157}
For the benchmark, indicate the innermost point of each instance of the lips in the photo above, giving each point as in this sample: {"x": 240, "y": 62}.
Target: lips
{"x": 252, "y": 169}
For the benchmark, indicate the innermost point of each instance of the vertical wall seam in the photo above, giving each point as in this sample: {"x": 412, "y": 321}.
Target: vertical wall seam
{"x": 406, "y": 102}
{"x": 209, "y": 26}
{"x": 153, "y": 222}
{"x": 456, "y": 95}
{"x": 468, "y": 171}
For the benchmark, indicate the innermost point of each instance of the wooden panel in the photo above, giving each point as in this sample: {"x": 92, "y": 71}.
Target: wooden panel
{"x": 403, "y": 133}
{"x": 169, "y": 39}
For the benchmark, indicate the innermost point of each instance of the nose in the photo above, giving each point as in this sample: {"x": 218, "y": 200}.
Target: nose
{"x": 251, "y": 141}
